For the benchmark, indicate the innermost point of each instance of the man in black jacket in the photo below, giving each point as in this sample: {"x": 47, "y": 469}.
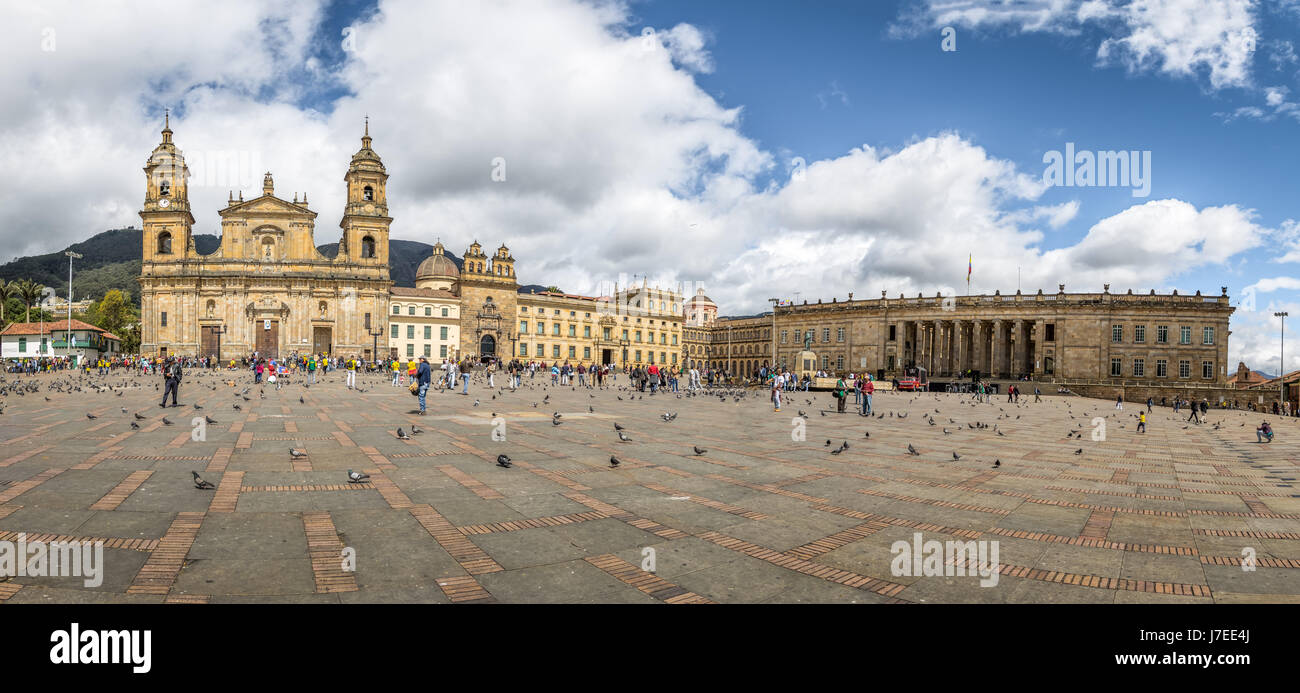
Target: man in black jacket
{"x": 172, "y": 375}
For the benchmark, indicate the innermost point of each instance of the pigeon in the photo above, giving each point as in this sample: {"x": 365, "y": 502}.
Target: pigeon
{"x": 166, "y": 421}
{"x": 209, "y": 419}
{"x": 135, "y": 426}
{"x": 698, "y": 450}
{"x": 866, "y": 434}
{"x": 199, "y": 483}
{"x": 624, "y": 437}
{"x": 197, "y": 407}
{"x": 613, "y": 462}
{"x": 955, "y": 456}
{"x": 838, "y": 450}
{"x": 1079, "y": 451}
{"x": 503, "y": 461}
{"x": 356, "y": 477}
{"x": 556, "y": 422}
{"x": 238, "y": 408}
{"x": 997, "y": 463}
{"x": 92, "y": 417}
{"x": 138, "y": 417}
{"x": 828, "y": 443}
{"x": 617, "y": 427}
{"x": 911, "y": 450}
{"x": 416, "y": 429}
{"x": 301, "y": 401}
{"x": 295, "y": 453}
{"x": 402, "y": 435}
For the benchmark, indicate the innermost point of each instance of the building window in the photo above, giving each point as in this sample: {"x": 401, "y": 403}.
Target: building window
{"x": 1116, "y": 333}
{"x": 573, "y": 352}
{"x": 410, "y": 331}
{"x": 442, "y": 333}
{"x": 162, "y": 322}
{"x": 586, "y": 352}
{"x": 427, "y": 352}
{"x": 573, "y": 330}
{"x": 826, "y": 362}
{"x": 826, "y": 335}
{"x": 783, "y": 336}
{"x": 393, "y": 335}
{"x": 541, "y": 328}
{"x": 1116, "y": 368}
{"x": 22, "y": 345}
{"x": 368, "y": 194}
{"x": 1184, "y": 368}
{"x": 555, "y": 351}
{"x": 606, "y": 333}
{"x": 555, "y": 329}
{"x": 1207, "y": 370}
{"x": 1140, "y": 334}
{"x": 638, "y": 355}
{"x": 444, "y": 312}
{"x": 1207, "y": 335}
{"x": 410, "y": 350}
{"x": 1162, "y": 368}
{"x": 586, "y": 331}
{"x": 367, "y": 247}
{"x": 638, "y": 338}
{"x": 893, "y": 333}
{"x": 165, "y": 243}
{"x": 839, "y": 361}
{"x": 428, "y": 311}
{"x": 625, "y": 334}
{"x": 428, "y": 333}
{"x": 397, "y": 309}
{"x": 1139, "y": 368}
{"x": 523, "y": 327}
{"x": 410, "y": 310}
{"x": 1051, "y": 332}
{"x": 523, "y": 348}
{"x": 442, "y": 351}
{"x": 674, "y": 340}
{"x": 1184, "y": 335}
{"x": 1162, "y": 334}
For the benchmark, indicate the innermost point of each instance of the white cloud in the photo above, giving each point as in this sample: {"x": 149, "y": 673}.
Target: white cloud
{"x": 1271, "y": 284}
{"x": 1180, "y": 38}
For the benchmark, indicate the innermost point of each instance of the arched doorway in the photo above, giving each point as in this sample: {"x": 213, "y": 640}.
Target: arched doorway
{"x": 487, "y": 348}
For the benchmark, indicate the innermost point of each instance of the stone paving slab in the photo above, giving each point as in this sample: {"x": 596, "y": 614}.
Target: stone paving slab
{"x": 1177, "y": 515}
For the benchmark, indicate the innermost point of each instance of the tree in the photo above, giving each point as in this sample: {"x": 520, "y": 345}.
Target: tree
{"x": 113, "y": 312}
{"x": 7, "y": 290}
{"x": 30, "y": 292}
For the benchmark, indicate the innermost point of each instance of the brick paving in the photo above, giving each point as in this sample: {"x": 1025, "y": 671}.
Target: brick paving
{"x": 1183, "y": 513}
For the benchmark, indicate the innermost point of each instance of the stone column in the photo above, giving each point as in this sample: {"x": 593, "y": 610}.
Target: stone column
{"x": 1018, "y": 349}
{"x": 977, "y": 345}
{"x": 1040, "y": 334}
{"x": 998, "y": 348}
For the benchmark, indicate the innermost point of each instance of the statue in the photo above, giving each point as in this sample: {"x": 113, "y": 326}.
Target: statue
{"x": 807, "y": 341}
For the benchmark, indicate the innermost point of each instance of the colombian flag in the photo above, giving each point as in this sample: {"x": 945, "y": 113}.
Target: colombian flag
{"x": 969, "y": 264}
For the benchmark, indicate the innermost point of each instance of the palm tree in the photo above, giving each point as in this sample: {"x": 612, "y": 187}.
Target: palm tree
{"x": 30, "y": 292}
{"x": 7, "y": 290}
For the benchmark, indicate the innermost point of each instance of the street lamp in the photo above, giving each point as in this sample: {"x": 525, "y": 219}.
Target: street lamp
{"x": 1282, "y": 361}
{"x": 68, "y": 343}
{"x": 374, "y": 346}
{"x": 217, "y": 332}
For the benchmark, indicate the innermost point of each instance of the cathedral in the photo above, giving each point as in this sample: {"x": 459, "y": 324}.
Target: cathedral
{"x": 266, "y": 289}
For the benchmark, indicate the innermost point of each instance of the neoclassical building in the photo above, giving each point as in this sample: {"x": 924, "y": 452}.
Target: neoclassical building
{"x": 266, "y": 289}
{"x": 1146, "y": 339}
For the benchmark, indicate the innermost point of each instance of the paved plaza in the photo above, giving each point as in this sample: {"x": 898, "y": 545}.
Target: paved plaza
{"x": 1166, "y": 516}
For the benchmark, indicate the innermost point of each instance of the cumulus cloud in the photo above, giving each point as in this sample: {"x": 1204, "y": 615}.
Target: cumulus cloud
{"x": 1180, "y": 38}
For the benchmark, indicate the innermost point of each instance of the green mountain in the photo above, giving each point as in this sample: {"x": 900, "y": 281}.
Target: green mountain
{"x": 111, "y": 260}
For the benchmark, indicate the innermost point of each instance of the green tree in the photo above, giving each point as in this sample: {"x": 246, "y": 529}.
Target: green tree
{"x": 114, "y": 312}
{"x": 30, "y": 292}
{"x": 8, "y": 290}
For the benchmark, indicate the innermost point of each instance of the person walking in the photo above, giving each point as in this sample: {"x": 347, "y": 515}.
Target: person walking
{"x": 1150, "y": 403}
{"x": 464, "y": 375}
{"x": 777, "y": 383}
{"x": 397, "y": 371}
{"x": 867, "y": 389}
{"x": 1195, "y": 415}
{"x": 352, "y": 372}
{"x": 841, "y": 396}
{"x": 1142, "y": 422}
{"x": 1119, "y": 402}
{"x": 172, "y": 381}
{"x": 424, "y": 376}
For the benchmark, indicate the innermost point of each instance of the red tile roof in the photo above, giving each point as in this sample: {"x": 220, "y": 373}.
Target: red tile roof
{"x": 26, "y": 328}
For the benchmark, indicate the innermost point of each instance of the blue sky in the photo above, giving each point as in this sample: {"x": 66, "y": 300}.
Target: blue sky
{"x": 673, "y": 156}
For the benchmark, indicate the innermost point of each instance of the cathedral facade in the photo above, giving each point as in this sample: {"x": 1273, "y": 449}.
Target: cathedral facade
{"x": 266, "y": 289}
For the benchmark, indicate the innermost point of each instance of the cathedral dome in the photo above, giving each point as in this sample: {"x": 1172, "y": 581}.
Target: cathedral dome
{"x": 436, "y": 266}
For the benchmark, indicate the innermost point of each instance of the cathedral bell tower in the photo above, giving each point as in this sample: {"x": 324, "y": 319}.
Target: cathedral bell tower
{"x": 365, "y": 218}
{"x": 166, "y": 214}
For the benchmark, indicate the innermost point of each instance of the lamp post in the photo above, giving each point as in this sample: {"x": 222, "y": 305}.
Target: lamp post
{"x": 623, "y": 343}
{"x": 217, "y": 332}
{"x": 374, "y": 342}
{"x": 68, "y": 343}
{"x": 1281, "y": 376}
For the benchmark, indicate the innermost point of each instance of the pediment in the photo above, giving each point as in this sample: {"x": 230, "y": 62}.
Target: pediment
{"x": 267, "y": 205}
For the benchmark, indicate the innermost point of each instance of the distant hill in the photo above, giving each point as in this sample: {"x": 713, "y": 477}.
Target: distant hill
{"x": 111, "y": 260}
